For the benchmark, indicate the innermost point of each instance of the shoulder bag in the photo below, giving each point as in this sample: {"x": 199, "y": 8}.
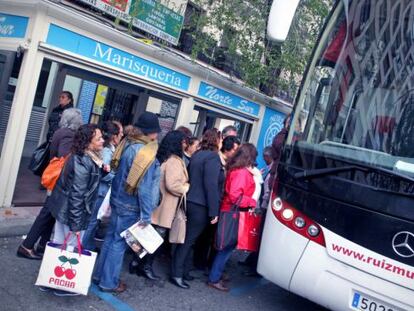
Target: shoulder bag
{"x": 52, "y": 172}
{"x": 40, "y": 159}
{"x": 228, "y": 227}
{"x": 179, "y": 223}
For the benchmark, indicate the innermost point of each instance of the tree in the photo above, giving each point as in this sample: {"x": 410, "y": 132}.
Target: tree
{"x": 239, "y": 28}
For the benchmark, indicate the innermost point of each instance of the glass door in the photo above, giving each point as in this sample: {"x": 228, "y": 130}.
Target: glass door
{"x": 9, "y": 71}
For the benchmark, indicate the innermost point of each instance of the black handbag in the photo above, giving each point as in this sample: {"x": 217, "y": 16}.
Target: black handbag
{"x": 228, "y": 227}
{"x": 40, "y": 159}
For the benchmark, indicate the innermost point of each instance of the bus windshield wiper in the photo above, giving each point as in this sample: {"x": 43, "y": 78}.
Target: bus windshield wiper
{"x": 307, "y": 174}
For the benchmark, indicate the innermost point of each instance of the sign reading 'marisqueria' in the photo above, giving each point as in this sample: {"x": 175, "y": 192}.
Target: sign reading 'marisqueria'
{"x": 105, "y": 54}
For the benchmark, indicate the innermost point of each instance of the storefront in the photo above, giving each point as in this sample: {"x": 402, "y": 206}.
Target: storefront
{"x": 46, "y": 48}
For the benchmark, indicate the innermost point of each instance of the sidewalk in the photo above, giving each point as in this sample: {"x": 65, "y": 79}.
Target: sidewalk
{"x": 17, "y": 220}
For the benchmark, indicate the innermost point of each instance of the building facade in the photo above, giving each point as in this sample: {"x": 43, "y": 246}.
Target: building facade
{"x": 48, "y": 47}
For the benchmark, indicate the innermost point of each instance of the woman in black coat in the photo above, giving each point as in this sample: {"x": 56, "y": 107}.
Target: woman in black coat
{"x": 65, "y": 102}
{"x": 203, "y": 200}
{"x": 75, "y": 192}
{"x": 60, "y": 146}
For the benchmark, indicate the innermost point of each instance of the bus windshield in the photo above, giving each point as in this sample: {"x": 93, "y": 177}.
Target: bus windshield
{"x": 357, "y": 101}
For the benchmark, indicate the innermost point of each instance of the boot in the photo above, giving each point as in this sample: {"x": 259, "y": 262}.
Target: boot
{"x": 179, "y": 282}
{"x": 145, "y": 268}
{"x": 148, "y": 273}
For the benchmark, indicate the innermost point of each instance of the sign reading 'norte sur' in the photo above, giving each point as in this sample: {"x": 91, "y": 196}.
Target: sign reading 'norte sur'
{"x": 162, "y": 18}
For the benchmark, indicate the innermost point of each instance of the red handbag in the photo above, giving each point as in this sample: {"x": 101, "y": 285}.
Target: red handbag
{"x": 249, "y": 231}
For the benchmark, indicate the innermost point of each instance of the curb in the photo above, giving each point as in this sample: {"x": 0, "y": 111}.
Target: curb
{"x": 17, "y": 221}
{"x": 15, "y": 228}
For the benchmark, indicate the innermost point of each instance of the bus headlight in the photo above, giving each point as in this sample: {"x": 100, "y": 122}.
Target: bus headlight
{"x": 277, "y": 204}
{"x": 313, "y": 230}
{"x": 300, "y": 222}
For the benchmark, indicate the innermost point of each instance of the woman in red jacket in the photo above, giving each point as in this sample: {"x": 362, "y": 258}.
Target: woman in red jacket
{"x": 239, "y": 187}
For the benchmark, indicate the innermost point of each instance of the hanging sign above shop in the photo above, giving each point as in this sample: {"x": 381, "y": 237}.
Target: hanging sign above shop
{"x": 161, "y": 18}
{"x": 78, "y": 44}
{"x": 13, "y": 26}
{"x": 227, "y": 99}
{"x": 272, "y": 124}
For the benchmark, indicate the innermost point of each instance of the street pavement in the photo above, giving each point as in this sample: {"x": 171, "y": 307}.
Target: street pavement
{"x": 17, "y": 292}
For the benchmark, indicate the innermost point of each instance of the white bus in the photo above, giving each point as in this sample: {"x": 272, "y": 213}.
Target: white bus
{"x": 340, "y": 227}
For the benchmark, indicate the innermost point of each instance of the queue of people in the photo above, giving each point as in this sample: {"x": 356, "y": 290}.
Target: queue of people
{"x": 148, "y": 183}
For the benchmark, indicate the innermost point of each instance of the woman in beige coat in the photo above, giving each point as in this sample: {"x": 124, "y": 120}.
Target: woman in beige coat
{"x": 173, "y": 187}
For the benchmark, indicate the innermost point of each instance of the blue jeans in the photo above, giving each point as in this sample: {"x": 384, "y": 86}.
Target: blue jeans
{"x": 109, "y": 264}
{"x": 219, "y": 263}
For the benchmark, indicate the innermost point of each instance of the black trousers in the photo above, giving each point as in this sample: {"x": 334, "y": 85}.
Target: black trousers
{"x": 197, "y": 220}
{"x": 204, "y": 251}
{"x": 41, "y": 228}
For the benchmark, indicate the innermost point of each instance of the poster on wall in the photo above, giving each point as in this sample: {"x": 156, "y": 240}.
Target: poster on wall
{"x": 161, "y": 18}
{"x": 100, "y": 98}
{"x": 272, "y": 124}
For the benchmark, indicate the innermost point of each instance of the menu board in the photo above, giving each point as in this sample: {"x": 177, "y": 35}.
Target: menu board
{"x": 167, "y": 116}
{"x": 86, "y": 99}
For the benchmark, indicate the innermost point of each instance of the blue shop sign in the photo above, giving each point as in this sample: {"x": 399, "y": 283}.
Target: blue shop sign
{"x": 13, "y": 26}
{"x": 105, "y": 54}
{"x": 272, "y": 124}
{"x": 225, "y": 98}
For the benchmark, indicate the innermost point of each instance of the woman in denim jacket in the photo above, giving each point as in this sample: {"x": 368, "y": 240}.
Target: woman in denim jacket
{"x": 112, "y": 133}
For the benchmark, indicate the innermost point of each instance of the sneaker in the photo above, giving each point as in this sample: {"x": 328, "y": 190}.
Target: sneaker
{"x": 62, "y": 293}
{"x": 44, "y": 289}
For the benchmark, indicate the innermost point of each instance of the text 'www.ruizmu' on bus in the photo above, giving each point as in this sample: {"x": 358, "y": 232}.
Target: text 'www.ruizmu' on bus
{"x": 380, "y": 263}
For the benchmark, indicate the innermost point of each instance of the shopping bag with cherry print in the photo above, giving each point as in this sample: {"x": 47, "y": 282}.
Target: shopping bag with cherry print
{"x": 68, "y": 270}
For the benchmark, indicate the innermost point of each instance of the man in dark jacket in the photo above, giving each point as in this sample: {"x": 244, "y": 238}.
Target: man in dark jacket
{"x": 65, "y": 102}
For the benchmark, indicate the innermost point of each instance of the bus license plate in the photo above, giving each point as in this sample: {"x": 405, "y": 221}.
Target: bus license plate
{"x": 362, "y": 302}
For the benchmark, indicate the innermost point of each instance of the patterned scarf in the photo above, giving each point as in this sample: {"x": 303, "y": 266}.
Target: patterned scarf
{"x": 95, "y": 156}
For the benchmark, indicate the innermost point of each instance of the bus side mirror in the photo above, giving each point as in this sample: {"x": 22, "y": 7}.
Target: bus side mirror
{"x": 280, "y": 19}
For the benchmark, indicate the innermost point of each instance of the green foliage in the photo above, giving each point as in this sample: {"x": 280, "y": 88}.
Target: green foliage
{"x": 240, "y": 27}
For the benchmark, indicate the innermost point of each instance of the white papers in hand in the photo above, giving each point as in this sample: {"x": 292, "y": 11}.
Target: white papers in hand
{"x": 148, "y": 237}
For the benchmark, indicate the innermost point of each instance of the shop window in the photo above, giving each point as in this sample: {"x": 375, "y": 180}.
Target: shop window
{"x": 195, "y": 121}
{"x": 73, "y": 84}
{"x": 119, "y": 106}
{"x": 42, "y": 84}
{"x": 166, "y": 111}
